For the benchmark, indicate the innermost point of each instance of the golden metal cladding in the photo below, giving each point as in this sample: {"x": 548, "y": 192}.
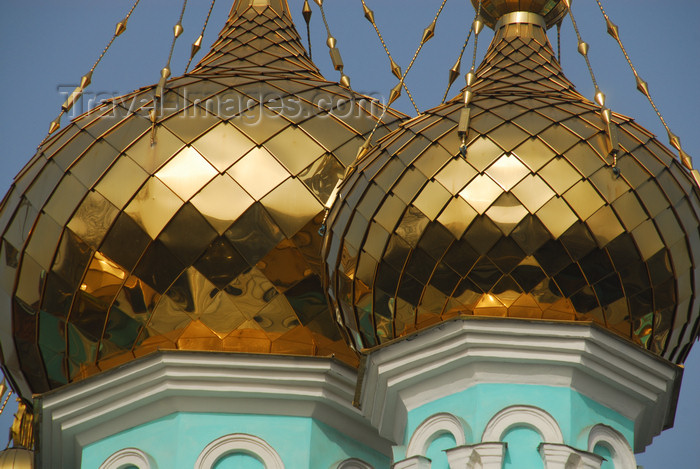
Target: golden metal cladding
{"x": 116, "y": 243}
{"x": 491, "y": 10}
{"x": 533, "y": 222}
{"x": 16, "y": 458}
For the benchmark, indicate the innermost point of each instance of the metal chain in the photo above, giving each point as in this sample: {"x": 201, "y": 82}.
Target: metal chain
{"x": 605, "y": 113}
{"x": 643, "y": 87}
{"x": 87, "y": 78}
{"x": 477, "y": 30}
{"x": 470, "y": 78}
{"x": 367, "y": 145}
{"x": 559, "y": 42}
{"x": 582, "y": 46}
{"x": 395, "y": 69}
{"x": 198, "y": 42}
{"x": 331, "y": 42}
{"x": 454, "y": 72}
{"x": 178, "y": 31}
{"x": 427, "y": 35}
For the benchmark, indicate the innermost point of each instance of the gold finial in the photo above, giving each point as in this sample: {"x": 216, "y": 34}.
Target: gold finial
{"x": 491, "y": 10}
{"x": 279, "y": 6}
{"x": 22, "y": 430}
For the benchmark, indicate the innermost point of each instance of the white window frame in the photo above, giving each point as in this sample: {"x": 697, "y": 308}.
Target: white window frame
{"x": 129, "y": 457}
{"x": 619, "y": 447}
{"x": 527, "y": 416}
{"x": 353, "y": 463}
{"x": 433, "y": 427}
{"x": 239, "y": 443}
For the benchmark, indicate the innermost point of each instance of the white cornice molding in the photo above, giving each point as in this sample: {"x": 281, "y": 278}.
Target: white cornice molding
{"x": 167, "y": 382}
{"x": 461, "y": 353}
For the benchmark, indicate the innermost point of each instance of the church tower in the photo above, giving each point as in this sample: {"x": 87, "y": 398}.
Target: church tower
{"x": 517, "y": 266}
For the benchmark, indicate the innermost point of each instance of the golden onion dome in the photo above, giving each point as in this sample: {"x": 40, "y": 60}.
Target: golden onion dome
{"x": 196, "y": 232}
{"x": 536, "y": 220}
{"x": 16, "y": 458}
{"x": 492, "y": 10}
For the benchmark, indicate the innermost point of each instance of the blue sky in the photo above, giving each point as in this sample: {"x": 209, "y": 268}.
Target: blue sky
{"x": 47, "y": 45}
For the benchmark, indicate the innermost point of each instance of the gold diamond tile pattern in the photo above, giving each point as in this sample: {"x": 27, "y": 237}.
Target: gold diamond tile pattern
{"x": 199, "y": 232}
{"x": 255, "y": 41}
{"x": 532, "y": 223}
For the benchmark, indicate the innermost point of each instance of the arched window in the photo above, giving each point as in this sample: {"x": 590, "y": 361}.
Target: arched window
{"x": 353, "y": 463}
{"x": 603, "y": 450}
{"x": 523, "y": 416}
{"x": 610, "y": 444}
{"x": 238, "y": 443}
{"x": 433, "y": 428}
{"x": 129, "y": 458}
{"x": 522, "y": 448}
{"x": 239, "y": 461}
{"x": 523, "y": 429}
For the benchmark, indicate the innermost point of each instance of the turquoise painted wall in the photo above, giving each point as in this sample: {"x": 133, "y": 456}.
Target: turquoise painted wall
{"x": 436, "y": 451}
{"x": 601, "y": 450}
{"x": 175, "y": 441}
{"x": 522, "y": 448}
{"x": 575, "y": 413}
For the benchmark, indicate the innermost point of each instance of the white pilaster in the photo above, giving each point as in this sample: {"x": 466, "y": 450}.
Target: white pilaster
{"x": 415, "y": 462}
{"x": 558, "y": 456}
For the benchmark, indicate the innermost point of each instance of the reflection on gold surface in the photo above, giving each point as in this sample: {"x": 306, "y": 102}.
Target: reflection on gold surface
{"x": 152, "y": 154}
{"x": 153, "y": 206}
{"x": 508, "y": 171}
{"x": 532, "y": 222}
{"x": 481, "y": 193}
{"x": 222, "y": 145}
{"x": 209, "y": 202}
{"x": 533, "y": 192}
{"x": 120, "y": 183}
{"x": 200, "y": 232}
{"x": 291, "y": 193}
{"x": 294, "y": 149}
{"x": 186, "y": 173}
{"x": 258, "y": 172}
{"x": 60, "y": 205}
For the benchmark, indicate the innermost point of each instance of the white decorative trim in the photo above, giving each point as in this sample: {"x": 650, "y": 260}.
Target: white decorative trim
{"x": 566, "y": 457}
{"x": 129, "y": 457}
{"x": 622, "y": 454}
{"x": 433, "y": 427}
{"x": 465, "y": 352}
{"x": 529, "y": 416}
{"x": 482, "y": 456}
{"x": 239, "y": 443}
{"x": 167, "y": 382}
{"x": 416, "y": 462}
{"x": 353, "y": 463}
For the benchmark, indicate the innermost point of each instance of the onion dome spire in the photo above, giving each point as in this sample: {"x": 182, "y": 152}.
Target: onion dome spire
{"x": 259, "y": 37}
{"x": 188, "y": 222}
{"x": 508, "y": 201}
{"x": 552, "y": 11}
